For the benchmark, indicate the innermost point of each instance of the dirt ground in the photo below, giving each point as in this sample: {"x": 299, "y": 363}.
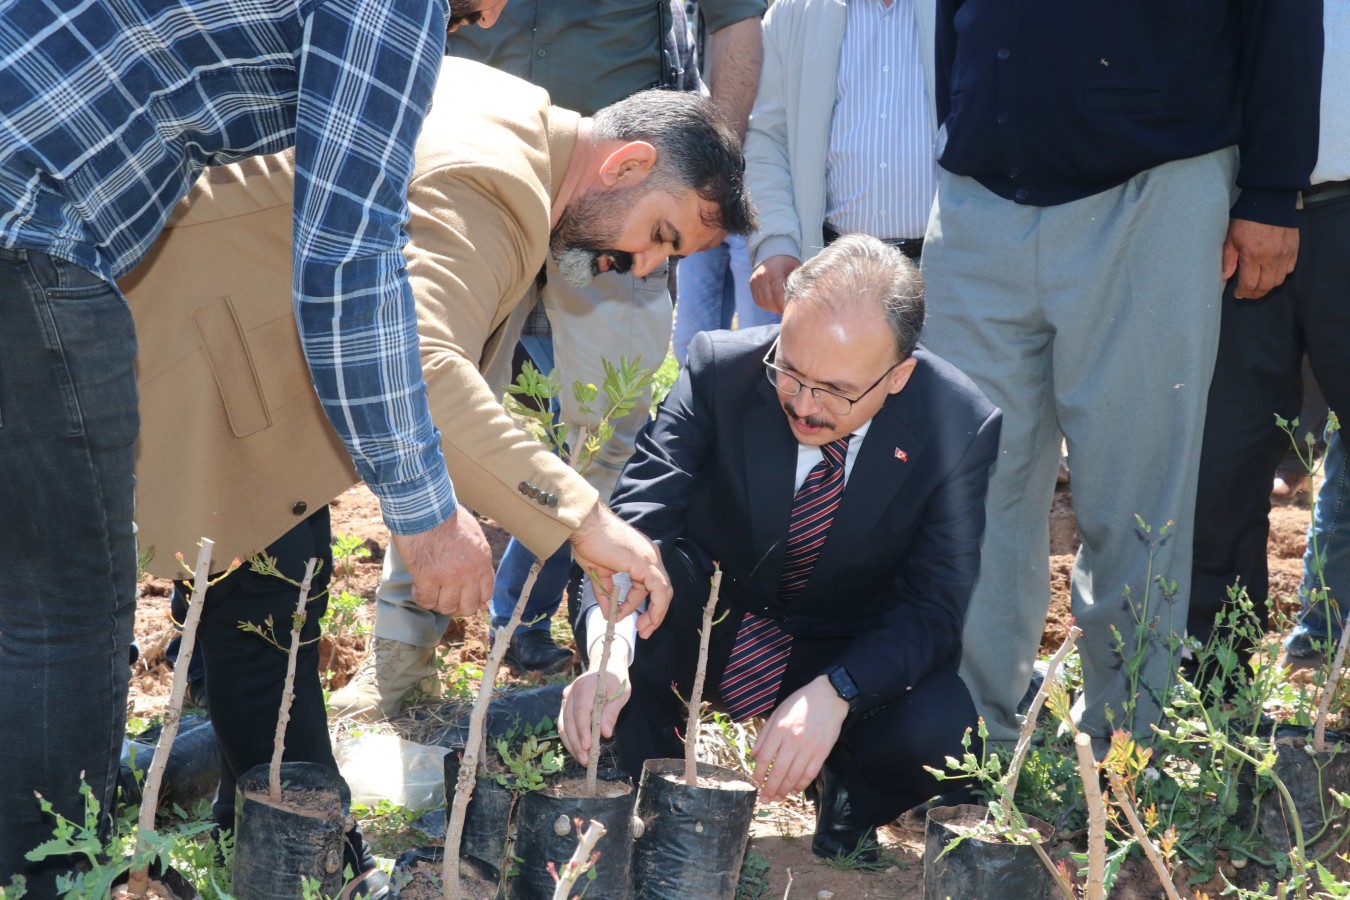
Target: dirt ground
{"x": 781, "y": 833}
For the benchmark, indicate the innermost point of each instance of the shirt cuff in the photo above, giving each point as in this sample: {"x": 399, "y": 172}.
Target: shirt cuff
{"x": 624, "y": 631}
{"x": 412, "y": 507}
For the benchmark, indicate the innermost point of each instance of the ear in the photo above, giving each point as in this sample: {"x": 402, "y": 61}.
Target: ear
{"x": 900, "y": 376}
{"x": 630, "y": 164}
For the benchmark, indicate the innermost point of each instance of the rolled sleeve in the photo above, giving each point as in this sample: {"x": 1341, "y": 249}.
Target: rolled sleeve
{"x": 367, "y": 72}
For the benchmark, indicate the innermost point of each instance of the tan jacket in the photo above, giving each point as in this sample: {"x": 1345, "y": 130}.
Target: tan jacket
{"x": 234, "y": 444}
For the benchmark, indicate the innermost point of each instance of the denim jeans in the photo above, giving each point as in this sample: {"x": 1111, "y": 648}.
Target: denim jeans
{"x": 714, "y": 286}
{"x": 68, "y": 423}
{"x": 1331, "y": 537}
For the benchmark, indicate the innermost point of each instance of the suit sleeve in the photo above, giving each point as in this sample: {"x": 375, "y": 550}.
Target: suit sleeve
{"x": 464, "y": 244}
{"x": 1281, "y": 94}
{"x": 922, "y": 629}
{"x": 768, "y": 174}
{"x": 658, "y": 483}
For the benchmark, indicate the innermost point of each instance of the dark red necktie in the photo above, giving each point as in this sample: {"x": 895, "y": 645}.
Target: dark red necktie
{"x": 759, "y": 657}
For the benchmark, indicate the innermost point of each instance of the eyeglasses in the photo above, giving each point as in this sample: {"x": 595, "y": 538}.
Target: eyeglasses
{"x": 790, "y": 385}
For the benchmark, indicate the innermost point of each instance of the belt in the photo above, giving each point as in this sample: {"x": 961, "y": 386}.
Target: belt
{"x": 911, "y": 247}
{"x": 1324, "y": 193}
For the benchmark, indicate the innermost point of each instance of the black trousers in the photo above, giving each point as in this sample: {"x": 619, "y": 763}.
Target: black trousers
{"x": 881, "y": 753}
{"x": 245, "y": 673}
{"x": 1257, "y": 376}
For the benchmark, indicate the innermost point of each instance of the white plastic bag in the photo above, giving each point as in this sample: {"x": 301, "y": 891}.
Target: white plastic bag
{"x": 386, "y": 767}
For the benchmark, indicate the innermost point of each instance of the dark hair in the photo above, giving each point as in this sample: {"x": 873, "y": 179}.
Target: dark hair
{"x": 858, "y": 268}
{"x": 696, "y": 149}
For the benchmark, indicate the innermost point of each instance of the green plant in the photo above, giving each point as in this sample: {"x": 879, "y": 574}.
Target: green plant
{"x": 529, "y": 758}
{"x": 867, "y": 856}
{"x": 343, "y": 615}
{"x": 101, "y": 861}
{"x": 663, "y": 379}
{"x": 387, "y": 826}
{"x": 754, "y": 880}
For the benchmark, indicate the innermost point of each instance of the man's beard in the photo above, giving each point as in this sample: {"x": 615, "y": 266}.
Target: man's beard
{"x": 587, "y": 230}
{"x": 463, "y": 12}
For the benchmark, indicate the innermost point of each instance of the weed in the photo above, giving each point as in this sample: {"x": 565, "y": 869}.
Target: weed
{"x": 754, "y": 881}
{"x": 102, "y": 861}
{"x": 386, "y": 825}
{"x": 867, "y": 856}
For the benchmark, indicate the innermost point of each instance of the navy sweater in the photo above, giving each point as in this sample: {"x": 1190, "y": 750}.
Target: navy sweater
{"x": 1048, "y": 101}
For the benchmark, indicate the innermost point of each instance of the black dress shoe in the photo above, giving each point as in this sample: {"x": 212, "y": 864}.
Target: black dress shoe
{"x": 839, "y": 833}
{"x": 534, "y": 651}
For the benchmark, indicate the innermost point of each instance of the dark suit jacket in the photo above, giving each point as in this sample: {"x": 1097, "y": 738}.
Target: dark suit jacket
{"x": 715, "y": 472}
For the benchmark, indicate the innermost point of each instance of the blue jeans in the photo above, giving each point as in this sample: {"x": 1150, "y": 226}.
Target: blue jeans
{"x": 544, "y": 598}
{"x": 1331, "y": 538}
{"x": 714, "y": 286}
{"x": 68, "y": 423}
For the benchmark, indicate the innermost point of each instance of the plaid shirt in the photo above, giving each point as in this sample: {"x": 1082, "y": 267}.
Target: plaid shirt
{"x": 108, "y": 111}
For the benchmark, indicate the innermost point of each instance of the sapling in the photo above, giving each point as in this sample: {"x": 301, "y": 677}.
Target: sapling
{"x": 601, "y": 696}
{"x": 583, "y": 859}
{"x": 138, "y": 879}
{"x": 1092, "y": 792}
{"x": 468, "y": 764}
{"x": 700, "y": 673}
{"x": 288, "y": 691}
{"x": 1005, "y": 820}
{"x": 621, "y": 386}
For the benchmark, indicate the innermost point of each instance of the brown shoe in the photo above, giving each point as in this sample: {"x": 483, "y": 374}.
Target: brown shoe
{"x": 390, "y": 670}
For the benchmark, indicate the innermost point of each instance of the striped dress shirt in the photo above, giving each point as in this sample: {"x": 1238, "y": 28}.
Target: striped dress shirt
{"x": 880, "y": 173}
{"x": 109, "y": 110}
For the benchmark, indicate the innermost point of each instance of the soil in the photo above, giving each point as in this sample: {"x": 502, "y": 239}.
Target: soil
{"x": 716, "y": 782}
{"x": 309, "y": 804}
{"x": 781, "y": 833}
{"x": 426, "y": 885}
{"x": 576, "y": 787}
{"x": 157, "y": 890}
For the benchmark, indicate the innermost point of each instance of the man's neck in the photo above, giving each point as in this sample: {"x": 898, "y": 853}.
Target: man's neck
{"x": 585, "y": 161}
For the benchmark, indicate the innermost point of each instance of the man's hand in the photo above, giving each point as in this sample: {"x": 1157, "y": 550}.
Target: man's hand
{"x": 574, "y": 720}
{"x": 606, "y": 544}
{"x": 795, "y": 741}
{"x": 451, "y": 565}
{"x": 1262, "y": 255}
{"x": 769, "y": 279}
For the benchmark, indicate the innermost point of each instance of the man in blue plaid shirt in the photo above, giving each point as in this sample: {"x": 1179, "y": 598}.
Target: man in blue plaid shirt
{"x": 107, "y": 114}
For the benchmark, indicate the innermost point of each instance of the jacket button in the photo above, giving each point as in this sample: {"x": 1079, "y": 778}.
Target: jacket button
{"x": 299, "y": 508}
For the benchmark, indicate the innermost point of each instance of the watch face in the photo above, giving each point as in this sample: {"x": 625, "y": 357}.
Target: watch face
{"x": 843, "y": 684}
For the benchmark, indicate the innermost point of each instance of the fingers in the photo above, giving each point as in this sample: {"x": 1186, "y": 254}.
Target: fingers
{"x": 1230, "y": 259}
{"x": 658, "y": 591}
{"x": 451, "y": 565}
{"x": 1253, "y": 282}
{"x": 577, "y": 740}
{"x": 1263, "y": 256}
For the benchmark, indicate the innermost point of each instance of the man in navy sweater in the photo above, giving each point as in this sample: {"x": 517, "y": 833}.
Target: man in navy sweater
{"x": 1105, "y": 167}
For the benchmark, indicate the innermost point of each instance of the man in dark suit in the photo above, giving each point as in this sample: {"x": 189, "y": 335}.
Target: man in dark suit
{"x": 843, "y": 495}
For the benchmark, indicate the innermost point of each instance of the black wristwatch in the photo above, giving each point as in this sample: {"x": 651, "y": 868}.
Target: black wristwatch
{"x": 843, "y": 685}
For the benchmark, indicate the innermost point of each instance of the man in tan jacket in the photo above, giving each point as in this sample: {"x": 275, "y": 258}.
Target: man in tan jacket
{"x": 234, "y": 444}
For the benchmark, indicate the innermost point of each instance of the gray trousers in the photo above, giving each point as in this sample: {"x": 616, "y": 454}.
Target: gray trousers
{"x": 1097, "y": 320}
{"x": 615, "y": 315}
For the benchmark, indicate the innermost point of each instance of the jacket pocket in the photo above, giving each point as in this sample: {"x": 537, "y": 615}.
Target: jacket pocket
{"x": 232, "y": 366}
